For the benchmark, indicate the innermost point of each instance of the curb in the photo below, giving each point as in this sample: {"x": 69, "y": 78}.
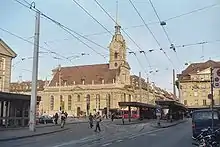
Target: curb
{"x": 33, "y": 135}
{"x": 169, "y": 125}
{"x": 46, "y": 126}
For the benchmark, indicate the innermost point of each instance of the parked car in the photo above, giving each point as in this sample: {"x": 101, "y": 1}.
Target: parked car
{"x": 45, "y": 119}
{"x": 202, "y": 119}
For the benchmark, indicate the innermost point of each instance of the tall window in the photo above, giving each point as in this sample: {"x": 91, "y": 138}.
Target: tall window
{"x": 116, "y": 55}
{"x": 61, "y": 103}
{"x": 108, "y": 100}
{"x": 204, "y": 103}
{"x": 87, "y": 103}
{"x": 78, "y": 98}
{"x": 98, "y": 101}
{"x": 69, "y": 102}
{"x": 52, "y": 102}
{"x": 196, "y": 102}
{"x": 185, "y": 102}
{"x": 124, "y": 97}
{"x": 129, "y": 98}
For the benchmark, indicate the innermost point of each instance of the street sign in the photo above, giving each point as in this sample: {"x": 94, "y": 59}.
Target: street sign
{"x": 216, "y": 77}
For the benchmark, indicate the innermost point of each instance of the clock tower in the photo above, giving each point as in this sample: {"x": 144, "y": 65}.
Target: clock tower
{"x": 117, "y": 49}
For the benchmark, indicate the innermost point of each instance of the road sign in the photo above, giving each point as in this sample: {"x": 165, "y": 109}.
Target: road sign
{"x": 216, "y": 77}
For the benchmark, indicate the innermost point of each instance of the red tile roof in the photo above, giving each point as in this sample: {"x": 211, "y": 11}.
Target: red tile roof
{"x": 88, "y": 73}
{"x": 194, "y": 67}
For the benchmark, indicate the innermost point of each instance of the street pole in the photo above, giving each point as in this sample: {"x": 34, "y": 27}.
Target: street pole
{"x": 212, "y": 97}
{"x": 34, "y": 74}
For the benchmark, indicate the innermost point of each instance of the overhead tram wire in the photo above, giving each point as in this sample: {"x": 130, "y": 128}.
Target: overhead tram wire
{"x": 100, "y": 23}
{"x": 65, "y": 28}
{"x": 172, "y": 46}
{"x": 140, "y": 49}
{"x": 52, "y": 52}
{"x": 158, "y": 43}
{"x": 156, "y": 22}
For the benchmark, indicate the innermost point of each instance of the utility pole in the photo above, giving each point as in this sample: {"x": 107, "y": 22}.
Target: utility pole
{"x": 34, "y": 74}
{"x": 212, "y": 97}
{"x": 174, "y": 88}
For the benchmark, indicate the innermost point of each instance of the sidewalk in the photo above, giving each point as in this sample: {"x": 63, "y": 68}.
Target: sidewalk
{"x": 166, "y": 124}
{"x": 69, "y": 121}
{"x": 25, "y": 133}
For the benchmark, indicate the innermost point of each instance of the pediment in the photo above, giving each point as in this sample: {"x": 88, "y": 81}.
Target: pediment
{"x": 6, "y": 50}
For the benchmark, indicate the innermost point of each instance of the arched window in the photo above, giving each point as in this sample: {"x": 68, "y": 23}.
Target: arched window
{"x": 98, "y": 101}
{"x": 108, "y": 100}
{"x": 116, "y": 55}
{"x": 61, "y": 103}
{"x": 52, "y": 102}
{"x": 78, "y": 98}
{"x": 69, "y": 102}
{"x": 87, "y": 103}
{"x": 129, "y": 98}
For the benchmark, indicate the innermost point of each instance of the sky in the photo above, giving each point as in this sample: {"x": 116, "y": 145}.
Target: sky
{"x": 193, "y": 28}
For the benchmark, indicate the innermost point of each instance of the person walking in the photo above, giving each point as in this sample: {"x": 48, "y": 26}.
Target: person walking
{"x": 56, "y": 116}
{"x": 98, "y": 120}
{"x": 63, "y": 118}
{"x": 90, "y": 120}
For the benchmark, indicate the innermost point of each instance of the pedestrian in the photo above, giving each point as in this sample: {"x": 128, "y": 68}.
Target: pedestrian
{"x": 98, "y": 120}
{"x": 56, "y": 118}
{"x": 90, "y": 120}
{"x": 63, "y": 118}
{"x": 112, "y": 116}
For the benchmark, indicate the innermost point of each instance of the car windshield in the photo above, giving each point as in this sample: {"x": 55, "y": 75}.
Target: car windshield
{"x": 204, "y": 115}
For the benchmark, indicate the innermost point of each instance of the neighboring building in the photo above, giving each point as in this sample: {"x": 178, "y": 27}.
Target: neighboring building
{"x": 194, "y": 84}
{"x": 6, "y": 56}
{"x": 14, "y": 108}
{"x": 24, "y": 87}
{"x": 80, "y": 90}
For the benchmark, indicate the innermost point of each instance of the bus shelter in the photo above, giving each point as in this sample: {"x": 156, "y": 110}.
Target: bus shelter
{"x": 175, "y": 110}
{"x": 144, "y": 110}
{"x": 14, "y": 109}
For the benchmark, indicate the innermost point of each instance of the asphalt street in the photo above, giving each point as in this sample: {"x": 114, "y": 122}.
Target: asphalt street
{"x": 112, "y": 135}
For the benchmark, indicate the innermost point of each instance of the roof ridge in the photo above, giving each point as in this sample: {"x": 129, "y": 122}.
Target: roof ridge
{"x": 82, "y": 65}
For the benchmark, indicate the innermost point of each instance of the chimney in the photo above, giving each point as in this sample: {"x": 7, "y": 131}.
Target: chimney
{"x": 103, "y": 81}
{"x": 92, "y": 82}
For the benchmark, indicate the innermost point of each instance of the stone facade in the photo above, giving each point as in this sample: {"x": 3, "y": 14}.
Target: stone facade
{"x": 80, "y": 90}
{"x": 195, "y": 84}
{"x": 6, "y": 56}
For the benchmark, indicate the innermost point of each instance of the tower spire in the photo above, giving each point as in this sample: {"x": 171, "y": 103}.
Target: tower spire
{"x": 116, "y": 19}
{"x": 117, "y": 26}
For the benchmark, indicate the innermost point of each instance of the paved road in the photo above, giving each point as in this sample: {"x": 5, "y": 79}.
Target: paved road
{"x": 112, "y": 135}
{"x": 177, "y": 136}
{"x": 77, "y": 134}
